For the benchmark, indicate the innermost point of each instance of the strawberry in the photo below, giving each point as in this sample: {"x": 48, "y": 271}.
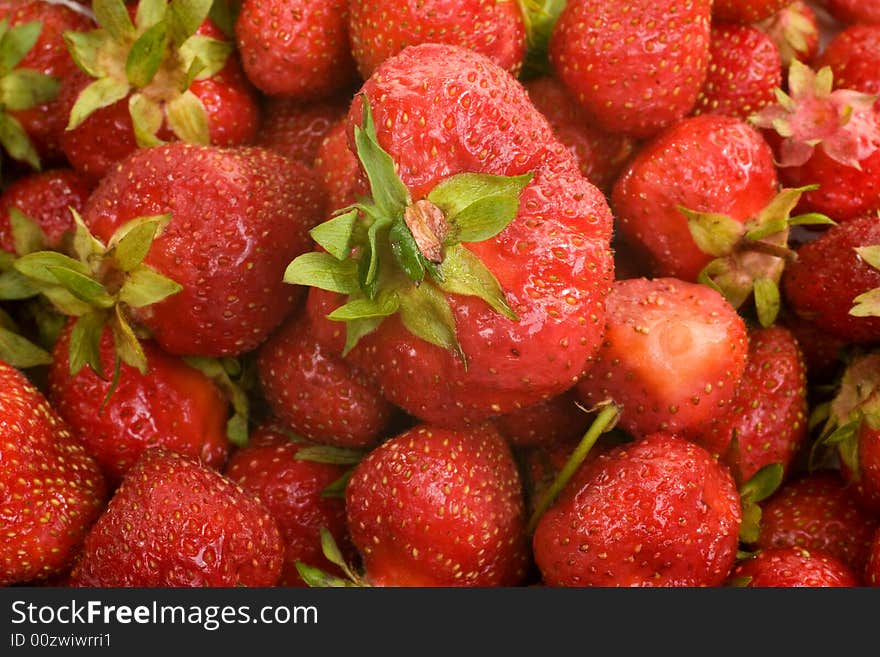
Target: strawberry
{"x": 767, "y": 420}
{"x": 438, "y": 507}
{"x": 556, "y": 420}
{"x": 316, "y": 393}
{"x": 338, "y": 168}
{"x": 380, "y": 30}
{"x": 820, "y": 349}
{"x": 35, "y": 61}
{"x": 673, "y": 355}
{"x": 745, "y": 68}
{"x": 638, "y": 74}
{"x": 600, "y": 155}
{"x": 172, "y": 405}
{"x": 657, "y": 512}
{"x": 454, "y": 322}
{"x": 298, "y": 49}
{"x": 854, "y": 57}
{"x": 153, "y": 73}
{"x": 292, "y": 489}
{"x": 52, "y": 490}
{"x": 818, "y": 512}
{"x": 792, "y": 567}
{"x": 872, "y": 568}
{"x": 832, "y": 280}
{"x": 45, "y": 199}
{"x": 795, "y": 31}
{"x": 854, "y": 11}
{"x": 175, "y": 522}
{"x": 745, "y": 11}
{"x": 296, "y": 130}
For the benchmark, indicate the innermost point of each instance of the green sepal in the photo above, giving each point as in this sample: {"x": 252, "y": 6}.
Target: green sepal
{"x": 64, "y": 302}
{"x": 112, "y": 15}
{"x": 196, "y": 66}
{"x": 767, "y": 300}
{"x": 16, "y": 42}
{"x": 330, "y": 454}
{"x": 82, "y": 286}
{"x": 36, "y": 266}
{"x": 146, "y": 55}
{"x": 845, "y": 439}
{"x": 714, "y": 234}
{"x": 85, "y": 343}
{"x": 369, "y": 274}
{"x": 146, "y": 120}
{"x": 131, "y": 242}
{"x": 335, "y": 234}
{"x": 870, "y": 254}
{"x": 185, "y": 17}
{"x": 478, "y": 206}
{"x": 334, "y": 555}
{"x": 539, "y": 17}
{"x": 24, "y": 88}
{"x": 103, "y": 92}
{"x": 406, "y": 251}
{"x": 425, "y": 312}
{"x": 224, "y": 14}
{"x": 20, "y": 352}
{"x": 356, "y": 329}
{"x": 145, "y": 286}
{"x": 866, "y": 304}
{"x": 84, "y": 49}
{"x": 388, "y": 192}
{"x": 762, "y": 485}
{"x": 385, "y": 304}
{"x": 464, "y": 273}
{"x": 212, "y": 55}
{"x": 187, "y": 119}
{"x": 127, "y": 346}
{"x": 150, "y": 12}
{"x": 15, "y": 286}
{"x": 16, "y": 141}
{"x": 85, "y": 245}
{"x": 221, "y": 372}
{"x": 811, "y": 219}
{"x": 317, "y": 578}
{"x": 323, "y": 271}
{"x": 27, "y": 236}
{"x": 740, "y": 581}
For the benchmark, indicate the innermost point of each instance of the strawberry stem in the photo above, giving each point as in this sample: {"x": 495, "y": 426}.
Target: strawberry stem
{"x": 767, "y": 248}
{"x": 604, "y": 422}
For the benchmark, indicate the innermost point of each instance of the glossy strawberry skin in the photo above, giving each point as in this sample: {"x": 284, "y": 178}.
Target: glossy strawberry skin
{"x": 683, "y": 167}
{"x": 872, "y": 568}
{"x": 657, "y": 512}
{"x": 298, "y": 49}
{"x": 46, "y": 198}
{"x": 672, "y": 356}
{"x": 238, "y": 218}
{"x": 175, "y": 523}
{"x": 745, "y": 11}
{"x": 296, "y": 130}
{"x": 52, "y": 489}
{"x": 638, "y": 75}
{"x": 855, "y": 11}
{"x": 338, "y": 168}
{"x": 439, "y": 507}
{"x": 316, "y": 393}
{"x": 828, "y": 274}
{"x": 854, "y": 57}
{"x": 820, "y": 349}
{"x": 793, "y": 567}
{"x": 172, "y": 406}
{"x": 818, "y": 512}
{"x": 381, "y": 30}
{"x": 556, "y": 420}
{"x": 291, "y": 491}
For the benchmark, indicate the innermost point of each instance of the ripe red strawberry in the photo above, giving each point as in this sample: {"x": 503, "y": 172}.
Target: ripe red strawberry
{"x": 291, "y": 489}
{"x": 854, "y": 11}
{"x": 173, "y": 406}
{"x": 637, "y": 74}
{"x": 380, "y": 30}
{"x": 45, "y": 198}
{"x": 466, "y": 317}
{"x": 556, "y": 420}
{"x": 316, "y": 393}
{"x": 173, "y": 523}
{"x": 237, "y": 217}
{"x": 298, "y": 49}
{"x": 439, "y": 507}
{"x": 820, "y": 349}
{"x": 818, "y": 512}
{"x": 600, "y": 155}
{"x": 795, "y": 31}
{"x": 745, "y": 11}
{"x": 854, "y": 57}
{"x": 673, "y": 355}
{"x": 52, "y": 490}
{"x": 338, "y": 168}
{"x": 828, "y": 276}
{"x": 872, "y": 568}
{"x": 658, "y": 512}
{"x": 745, "y": 68}
{"x": 296, "y": 130}
{"x": 35, "y": 118}
{"x": 767, "y": 420}
{"x": 792, "y": 567}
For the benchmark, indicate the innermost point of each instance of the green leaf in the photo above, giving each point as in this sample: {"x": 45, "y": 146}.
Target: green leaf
{"x": 389, "y": 193}
{"x": 750, "y": 526}
{"x": 334, "y": 556}
{"x": 185, "y": 17}
{"x": 211, "y": 53}
{"x": 811, "y": 219}
{"x": 17, "y": 42}
{"x": 317, "y": 578}
{"x": 146, "y": 55}
{"x": 870, "y": 254}
{"x": 769, "y": 228}
{"x": 356, "y": 329}
{"x": 714, "y": 234}
{"x": 464, "y": 273}
{"x": 426, "y": 314}
{"x": 478, "y": 206}
{"x": 82, "y": 286}
{"x": 15, "y": 285}
{"x": 145, "y": 286}
{"x": 187, "y": 119}
{"x": 330, "y": 455}
{"x": 113, "y": 16}
{"x": 146, "y": 119}
{"x": 767, "y": 300}
{"x": 867, "y": 304}
{"x": 335, "y": 234}
{"x": 323, "y": 271}
{"x": 85, "y": 49}
{"x": 131, "y": 242}
{"x": 24, "y": 88}
{"x": 128, "y": 347}
{"x": 27, "y": 236}
{"x": 6, "y": 260}
{"x": 16, "y": 141}
{"x": 85, "y": 343}
{"x": 224, "y": 14}
{"x": 383, "y": 305}
{"x": 540, "y": 18}
{"x": 406, "y": 251}
{"x": 100, "y": 93}
{"x": 36, "y": 266}
{"x": 65, "y": 303}
{"x": 150, "y": 12}
{"x": 194, "y": 70}
{"x": 763, "y": 483}
{"x": 20, "y": 352}
{"x": 85, "y": 245}
{"x": 220, "y": 372}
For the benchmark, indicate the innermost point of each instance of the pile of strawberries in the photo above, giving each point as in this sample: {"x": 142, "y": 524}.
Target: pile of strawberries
{"x": 440, "y": 293}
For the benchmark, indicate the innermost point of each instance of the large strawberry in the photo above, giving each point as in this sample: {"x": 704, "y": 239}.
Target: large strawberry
{"x": 636, "y": 66}
{"x": 296, "y": 129}
{"x": 175, "y": 522}
{"x": 556, "y": 420}
{"x": 51, "y": 489}
{"x": 793, "y": 567}
{"x": 338, "y": 168}
{"x": 476, "y": 279}
{"x": 854, "y": 58}
{"x": 657, "y": 512}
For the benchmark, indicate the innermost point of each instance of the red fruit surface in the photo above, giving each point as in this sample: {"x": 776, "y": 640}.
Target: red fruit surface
{"x": 51, "y": 489}
{"x": 556, "y": 420}
{"x": 658, "y": 512}
{"x": 638, "y": 74}
{"x": 338, "y": 168}
{"x": 820, "y": 349}
{"x": 866, "y": 482}
{"x": 672, "y": 356}
{"x": 854, "y": 11}
{"x": 176, "y": 523}
{"x": 709, "y": 163}
{"x": 745, "y": 11}
{"x": 291, "y": 491}
{"x": 239, "y": 216}
{"x": 438, "y": 507}
{"x": 854, "y": 57}
{"x": 872, "y": 569}
{"x": 172, "y": 406}
{"x": 295, "y": 129}
{"x": 793, "y": 567}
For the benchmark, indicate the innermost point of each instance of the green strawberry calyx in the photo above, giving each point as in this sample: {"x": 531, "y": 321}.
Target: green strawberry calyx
{"x": 791, "y": 31}
{"x": 539, "y": 17}
{"x": 152, "y": 61}
{"x": 317, "y": 578}
{"x": 867, "y": 304}
{"x": 392, "y": 254}
{"x": 21, "y": 88}
{"x": 16, "y": 350}
{"x": 750, "y": 256}
{"x": 762, "y": 485}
